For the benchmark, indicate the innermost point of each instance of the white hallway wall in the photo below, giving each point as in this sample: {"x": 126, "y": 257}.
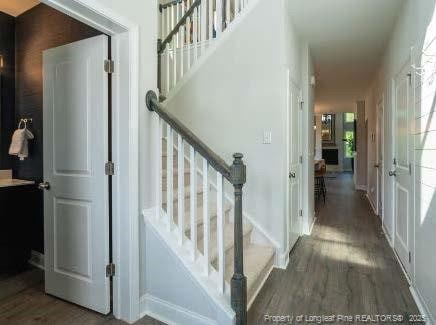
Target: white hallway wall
{"x": 238, "y": 93}
{"x": 415, "y": 26}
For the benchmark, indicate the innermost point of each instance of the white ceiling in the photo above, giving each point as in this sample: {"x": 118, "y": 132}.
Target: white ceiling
{"x": 347, "y": 39}
{"x": 16, "y": 7}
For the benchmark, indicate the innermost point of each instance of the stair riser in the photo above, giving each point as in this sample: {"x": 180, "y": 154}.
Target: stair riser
{"x": 187, "y": 179}
{"x": 176, "y": 196}
{"x": 164, "y": 162}
{"x": 214, "y": 255}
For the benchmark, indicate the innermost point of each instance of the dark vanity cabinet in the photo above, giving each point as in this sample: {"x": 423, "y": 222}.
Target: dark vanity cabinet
{"x": 16, "y": 215}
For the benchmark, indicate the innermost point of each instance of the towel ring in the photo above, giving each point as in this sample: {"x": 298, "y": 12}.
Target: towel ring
{"x": 24, "y": 120}
{"x": 21, "y": 122}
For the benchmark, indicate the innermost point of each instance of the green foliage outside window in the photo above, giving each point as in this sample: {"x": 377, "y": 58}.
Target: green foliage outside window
{"x": 349, "y": 144}
{"x": 349, "y": 117}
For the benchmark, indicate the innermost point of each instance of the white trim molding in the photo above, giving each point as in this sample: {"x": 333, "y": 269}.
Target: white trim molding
{"x": 125, "y": 146}
{"x": 422, "y": 307}
{"x": 169, "y": 313}
{"x": 37, "y": 260}
{"x": 371, "y": 204}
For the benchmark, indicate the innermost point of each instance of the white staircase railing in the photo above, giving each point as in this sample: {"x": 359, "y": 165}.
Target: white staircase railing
{"x": 212, "y": 258}
{"x": 187, "y": 28}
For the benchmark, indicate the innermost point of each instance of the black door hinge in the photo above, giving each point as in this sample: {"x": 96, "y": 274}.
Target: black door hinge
{"x": 109, "y": 66}
{"x": 109, "y": 168}
{"x": 110, "y": 270}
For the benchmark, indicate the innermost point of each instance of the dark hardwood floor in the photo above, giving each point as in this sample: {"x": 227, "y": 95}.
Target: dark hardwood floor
{"x": 23, "y": 301}
{"x": 345, "y": 267}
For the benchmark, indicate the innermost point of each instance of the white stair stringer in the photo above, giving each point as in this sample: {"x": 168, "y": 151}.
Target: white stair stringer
{"x": 259, "y": 256}
{"x": 222, "y": 313}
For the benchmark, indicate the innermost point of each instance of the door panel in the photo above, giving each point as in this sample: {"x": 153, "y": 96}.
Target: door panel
{"x": 403, "y": 186}
{"x": 76, "y": 210}
{"x": 295, "y": 152}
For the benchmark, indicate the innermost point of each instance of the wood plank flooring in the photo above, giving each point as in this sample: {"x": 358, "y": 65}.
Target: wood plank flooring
{"x": 345, "y": 267}
{"x": 23, "y": 301}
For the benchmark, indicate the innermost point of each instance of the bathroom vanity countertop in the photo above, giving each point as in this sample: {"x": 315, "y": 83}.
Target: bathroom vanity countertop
{"x": 10, "y": 182}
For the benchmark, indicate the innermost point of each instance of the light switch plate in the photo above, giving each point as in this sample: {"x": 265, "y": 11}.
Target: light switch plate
{"x": 267, "y": 137}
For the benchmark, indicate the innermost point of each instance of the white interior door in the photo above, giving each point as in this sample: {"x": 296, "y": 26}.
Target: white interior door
{"x": 295, "y": 164}
{"x": 379, "y": 157}
{"x": 402, "y": 166}
{"x": 76, "y": 213}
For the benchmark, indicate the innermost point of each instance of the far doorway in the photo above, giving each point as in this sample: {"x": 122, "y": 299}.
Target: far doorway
{"x": 295, "y": 160}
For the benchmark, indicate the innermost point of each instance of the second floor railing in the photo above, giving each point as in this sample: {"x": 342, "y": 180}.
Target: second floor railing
{"x": 187, "y": 28}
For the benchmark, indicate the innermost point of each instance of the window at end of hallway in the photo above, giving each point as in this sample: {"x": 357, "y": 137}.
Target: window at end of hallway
{"x": 349, "y": 117}
{"x": 349, "y": 143}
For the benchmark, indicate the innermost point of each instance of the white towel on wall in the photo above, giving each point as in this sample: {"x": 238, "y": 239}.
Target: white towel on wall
{"x": 19, "y": 144}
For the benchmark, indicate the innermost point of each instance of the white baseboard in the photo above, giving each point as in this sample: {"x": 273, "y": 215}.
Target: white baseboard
{"x": 37, "y": 259}
{"x": 169, "y": 313}
{"x": 422, "y": 307}
{"x": 388, "y": 238}
{"x": 420, "y": 303}
{"x": 371, "y": 204}
{"x": 282, "y": 260}
{"x": 312, "y": 226}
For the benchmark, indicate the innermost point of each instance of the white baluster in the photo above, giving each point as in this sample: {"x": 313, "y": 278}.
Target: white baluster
{"x": 206, "y": 218}
{"x": 219, "y": 17}
{"x": 210, "y": 24}
{"x": 182, "y": 44}
{"x": 227, "y": 13}
{"x": 193, "y": 200}
{"x": 195, "y": 33}
{"x": 159, "y": 162}
{"x": 167, "y": 51}
{"x": 174, "y": 45}
{"x": 162, "y": 24}
{"x": 178, "y": 10}
{"x": 167, "y": 68}
{"x": 170, "y": 176}
{"x": 181, "y": 187}
{"x": 188, "y": 34}
{"x": 203, "y": 27}
{"x": 220, "y": 229}
{"x": 174, "y": 72}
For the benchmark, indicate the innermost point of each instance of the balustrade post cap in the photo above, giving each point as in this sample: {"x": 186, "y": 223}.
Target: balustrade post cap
{"x": 238, "y": 156}
{"x": 149, "y": 98}
{"x": 238, "y": 170}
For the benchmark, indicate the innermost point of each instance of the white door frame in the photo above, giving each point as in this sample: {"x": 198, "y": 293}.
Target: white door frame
{"x": 125, "y": 149}
{"x": 381, "y": 139}
{"x": 289, "y": 82}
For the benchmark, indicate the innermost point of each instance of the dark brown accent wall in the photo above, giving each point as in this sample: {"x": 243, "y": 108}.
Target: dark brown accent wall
{"x": 7, "y": 90}
{"x": 36, "y": 30}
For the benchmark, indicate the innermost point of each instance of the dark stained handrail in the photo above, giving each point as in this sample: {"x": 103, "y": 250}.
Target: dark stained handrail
{"x": 169, "y": 4}
{"x": 214, "y": 160}
{"x": 176, "y": 28}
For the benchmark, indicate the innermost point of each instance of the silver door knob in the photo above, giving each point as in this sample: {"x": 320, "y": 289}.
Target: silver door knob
{"x": 292, "y": 175}
{"x": 393, "y": 173}
{"x": 44, "y": 186}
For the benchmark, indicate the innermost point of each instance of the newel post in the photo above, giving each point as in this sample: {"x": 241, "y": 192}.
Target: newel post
{"x": 239, "y": 280}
